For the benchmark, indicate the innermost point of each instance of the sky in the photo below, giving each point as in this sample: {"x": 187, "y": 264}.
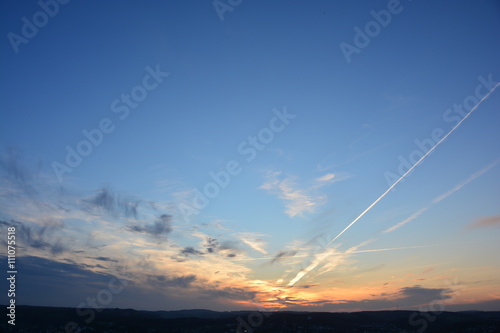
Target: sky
{"x": 241, "y": 155}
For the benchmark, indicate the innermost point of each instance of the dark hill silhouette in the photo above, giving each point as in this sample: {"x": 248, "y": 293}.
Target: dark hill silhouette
{"x": 52, "y": 319}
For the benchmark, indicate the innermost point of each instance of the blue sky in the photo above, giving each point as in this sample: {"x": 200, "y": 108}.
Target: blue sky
{"x": 217, "y": 84}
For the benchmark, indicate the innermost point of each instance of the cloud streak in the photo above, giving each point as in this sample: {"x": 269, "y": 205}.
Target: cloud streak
{"x": 442, "y": 197}
{"x": 416, "y": 164}
{"x": 254, "y": 242}
{"x": 40, "y": 237}
{"x": 312, "y": 266}
{"x": 19, "y": 176}
{"x": 161, "y": 227}
{"x": 486, "y": 222}
{"x": 297, "y": 201}
{"x": 113, "y": 203}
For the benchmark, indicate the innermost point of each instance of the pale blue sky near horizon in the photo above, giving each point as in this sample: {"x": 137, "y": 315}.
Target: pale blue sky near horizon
{"x": 353, "y": 120}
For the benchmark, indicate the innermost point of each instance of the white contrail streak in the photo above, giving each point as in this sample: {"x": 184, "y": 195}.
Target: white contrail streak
{"x": 414, "y": 165}
{"x": 407, "y": 220}
{"x": 465, "y": 182}
{"x": 302, "y": 273}
{"x": 442, "y": 197}
{"x": 394, "y": 248}
{"x": 360, "y": 251}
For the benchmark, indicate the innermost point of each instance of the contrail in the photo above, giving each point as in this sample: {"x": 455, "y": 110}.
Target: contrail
{"x": 301, "y": 274}
{"x": 394, "y": 248}
{"x": 417, "y": 163}
{"x": 407, "y": 220}
{"x": 465, "y": 182}
{"x": 442, "y": 196}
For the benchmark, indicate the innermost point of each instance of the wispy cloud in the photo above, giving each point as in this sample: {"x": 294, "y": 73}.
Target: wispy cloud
{"x": 325, "y": 179}
{"x": 281, "y": 255}
{"x": 189, "y": 250}
{"x": 226, "y": 247}
{"x": 103, "y": 259}
{"x": 15, "y": 173}
{"x": 161, "y": 227}
{"x": 255, "y": 241}
{"x": 317, "y": 259}
{"x": 113, "y": 203}
{"x": 211, "y": 244}
{"x": 162, "y": 281}
{"x": 327, "y": 253}
{"x": 44, "y": 237}
{"x": 103, "y": 229}
{"x": 486, "y": 222}
{"x": 297, "y": 200}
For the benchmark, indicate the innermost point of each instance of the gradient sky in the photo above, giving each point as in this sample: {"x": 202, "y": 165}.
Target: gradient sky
{"x": 263, "y": 240}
